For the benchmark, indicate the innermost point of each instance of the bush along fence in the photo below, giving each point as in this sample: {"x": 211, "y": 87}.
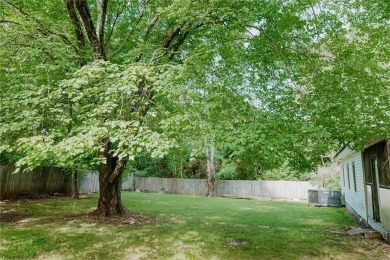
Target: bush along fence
{"x": 47, "y": 180}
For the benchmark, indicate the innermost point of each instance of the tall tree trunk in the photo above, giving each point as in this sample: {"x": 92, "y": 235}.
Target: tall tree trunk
{"x": 210, "y": 171}
{"x": 74, "y": 194}
{"x": 110, "y": 183}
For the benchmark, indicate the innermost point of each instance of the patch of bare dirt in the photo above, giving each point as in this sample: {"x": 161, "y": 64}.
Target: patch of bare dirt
{"x": 377, "y": 245}
{"x": 27, "y": 197}
{"x": 126, "y": 219}
{"x": 31, "y": 198}
{"x": 10, "y": 216}
{"x": 17, "y": 215}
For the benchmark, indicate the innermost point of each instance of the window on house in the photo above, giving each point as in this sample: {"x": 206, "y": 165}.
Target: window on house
{"x": 349, "y": 180}
{"x": 367, "y": 168}
{"x": 343, "y": 177}
{"x": 354, "y": 175}
{"x": 381, "y": 153}
{"x": 384, "y": 172}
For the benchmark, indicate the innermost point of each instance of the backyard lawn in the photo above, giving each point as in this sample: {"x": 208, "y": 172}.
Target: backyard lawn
{"x": 180, "y": 227}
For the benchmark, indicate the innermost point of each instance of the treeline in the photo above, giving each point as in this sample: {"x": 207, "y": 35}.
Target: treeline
{"x": 181, "y": 163}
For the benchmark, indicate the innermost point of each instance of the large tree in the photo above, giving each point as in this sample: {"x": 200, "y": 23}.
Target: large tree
{"x": 85, "y": 79}
{"x": 348, "y": 93}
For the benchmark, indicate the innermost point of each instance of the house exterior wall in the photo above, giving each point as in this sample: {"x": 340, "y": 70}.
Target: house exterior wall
{"x": 360, "y": 199}
{"x": 354, "y": 195}
{"x": 376, "y": 162}
{"x": 384, "y": 226}
{"x": 385, "y": 207}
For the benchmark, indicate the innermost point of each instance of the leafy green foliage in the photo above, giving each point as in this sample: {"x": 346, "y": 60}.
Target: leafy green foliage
{"x": 284, "y": 173}
{"x": 347, "y": 92}
{"x": 88, "y": 108}
{"x": 188, "y": 73}
{"x": 227, "y": 171}
{"x": 177, "y": 163}
{"x": 328, "y": 177}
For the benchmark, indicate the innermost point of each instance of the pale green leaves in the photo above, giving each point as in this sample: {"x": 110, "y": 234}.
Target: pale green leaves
{"x": 100, "y": 101}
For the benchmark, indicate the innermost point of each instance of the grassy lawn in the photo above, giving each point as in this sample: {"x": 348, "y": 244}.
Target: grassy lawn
{"x": 185, "y": 227}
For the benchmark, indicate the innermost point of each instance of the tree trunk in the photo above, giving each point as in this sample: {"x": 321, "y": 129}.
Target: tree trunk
{"x": 110, "y": 183}
{"x": 110, "y": 201}
{"x": 210, "y": 171}
{"x": 74, "y": 191}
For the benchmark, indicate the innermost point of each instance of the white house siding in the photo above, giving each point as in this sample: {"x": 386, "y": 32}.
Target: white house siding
{"x": 384, "y": 203}
{"x": 355, "y": 199}
{"x": 384, "y": 225}
{"x": 370, "y": 210}
{"x": 385, "y": 207}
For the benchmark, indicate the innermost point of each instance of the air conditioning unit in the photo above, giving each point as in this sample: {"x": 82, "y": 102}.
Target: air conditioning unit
{"x": 324, "y": 198}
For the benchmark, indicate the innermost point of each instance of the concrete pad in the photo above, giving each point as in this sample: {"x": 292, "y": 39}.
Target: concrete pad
{"x": 368, "y": 233}
{"x": 372, "y": 234}
{"x": 356, "y": 232}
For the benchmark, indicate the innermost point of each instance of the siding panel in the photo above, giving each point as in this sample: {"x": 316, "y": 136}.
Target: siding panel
{"x": 355, "y": 199}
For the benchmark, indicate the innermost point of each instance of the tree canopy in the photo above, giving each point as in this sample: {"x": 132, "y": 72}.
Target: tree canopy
{"x": 100, "y": 82}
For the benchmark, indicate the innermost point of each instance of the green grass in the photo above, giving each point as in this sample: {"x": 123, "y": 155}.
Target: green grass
{"x": 187, "y": 228}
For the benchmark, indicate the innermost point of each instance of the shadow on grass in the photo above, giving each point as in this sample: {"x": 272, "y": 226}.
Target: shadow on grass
{"x": 166, "y": 226}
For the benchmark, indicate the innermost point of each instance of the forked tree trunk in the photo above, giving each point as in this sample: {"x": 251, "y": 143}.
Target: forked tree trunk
{"x": 110, "y": 202}
{"x": 210, "y": 171}
{"x": 110, "y": 184}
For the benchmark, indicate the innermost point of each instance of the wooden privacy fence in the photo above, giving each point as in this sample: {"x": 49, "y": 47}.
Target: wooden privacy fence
{"x": 265, "y": 189}
{"x": 89, "y": 183}
{"x": 236, "y": 188}
{"x": 42, "y": 180}
{"x": 48, "y": 180}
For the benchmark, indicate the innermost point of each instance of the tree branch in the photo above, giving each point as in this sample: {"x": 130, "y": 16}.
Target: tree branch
{"x": 112, "y": 28}
{"x": 128, "y": 35}
{"x": 169, "y": 38}
{"x": 85, "y": 16}
{"x": 9, "y": 21}
{"x": 178, "y": 44}
{"x": 42, "y": 29}
{"x": 35, "y": 48}
{"x": 7, "y": 42}
{"x": 29, "y": 17}
{"x": 172, "y": 49}
{"x": 101, "y": 6}
{"x": 70, "y": 5}
{"x": 119, "y": 168}
{"x": 150, "y": 27}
